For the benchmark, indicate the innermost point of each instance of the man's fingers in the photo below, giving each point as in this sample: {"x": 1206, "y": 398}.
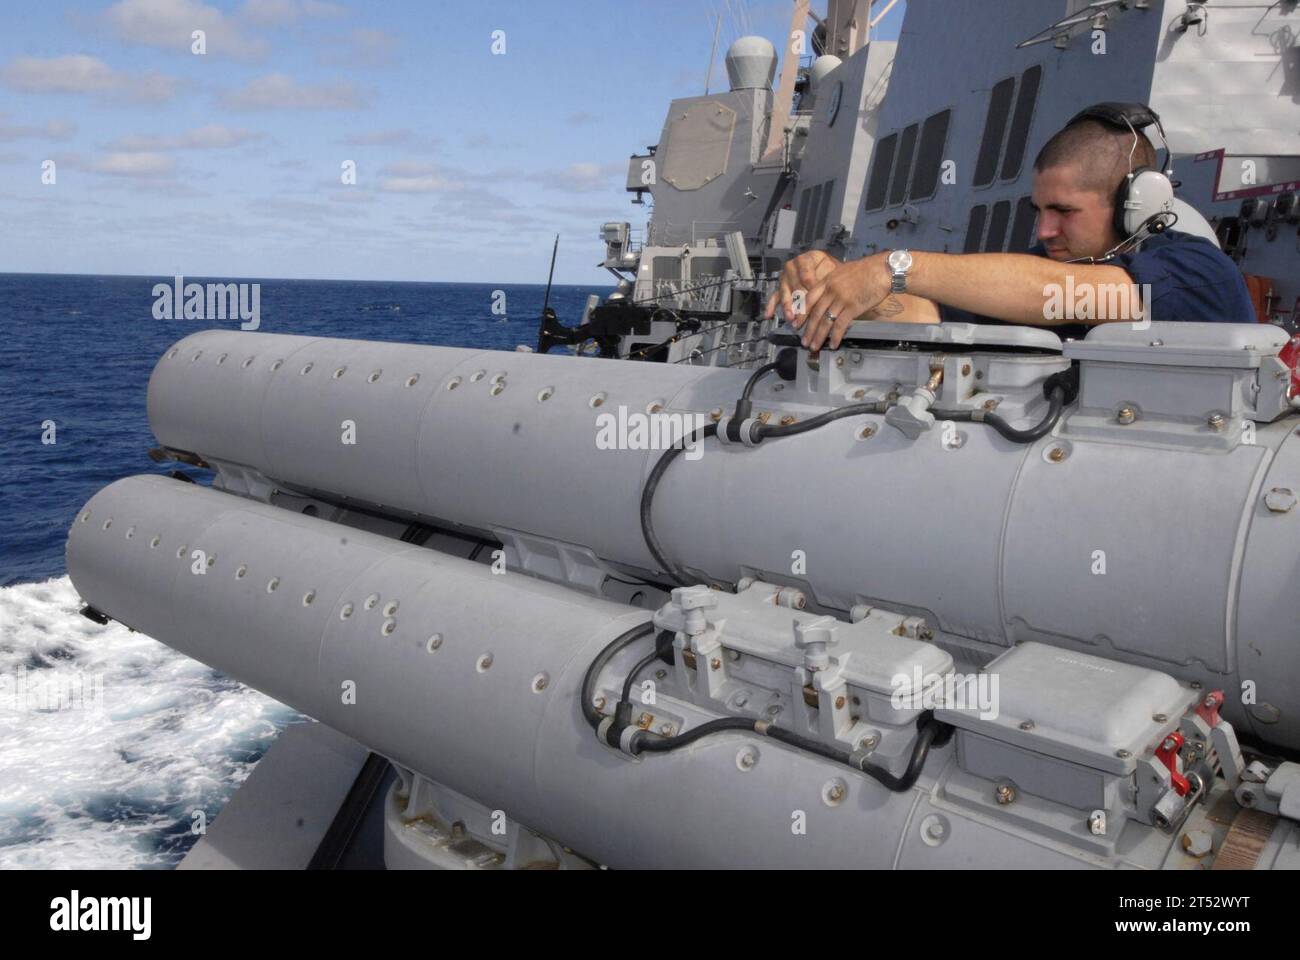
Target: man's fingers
{"x": 819, "y": 301}
{"x": 843, "y": 318}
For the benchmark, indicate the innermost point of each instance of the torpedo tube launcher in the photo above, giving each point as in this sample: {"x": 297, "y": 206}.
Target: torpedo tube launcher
{"x": 948, "y": 596}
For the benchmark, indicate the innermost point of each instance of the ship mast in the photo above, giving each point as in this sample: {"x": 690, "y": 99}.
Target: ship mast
{"x": 848, "y": 26}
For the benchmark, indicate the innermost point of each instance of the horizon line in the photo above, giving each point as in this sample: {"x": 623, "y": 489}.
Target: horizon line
{"x": 227, "y": 278}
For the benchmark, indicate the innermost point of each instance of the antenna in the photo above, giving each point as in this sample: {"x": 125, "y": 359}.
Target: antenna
{"x": 713, "y": 53}
{"x": 550, "y": 276}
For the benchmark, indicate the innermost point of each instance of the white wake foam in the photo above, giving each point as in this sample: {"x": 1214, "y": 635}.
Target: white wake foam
{"x": 109, "y": 740}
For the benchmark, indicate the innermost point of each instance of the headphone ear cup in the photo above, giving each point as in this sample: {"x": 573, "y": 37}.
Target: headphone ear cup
{"x": 1145, "y": 194}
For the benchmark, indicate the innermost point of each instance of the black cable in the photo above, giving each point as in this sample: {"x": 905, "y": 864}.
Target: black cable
{"x": 756, "y": 376}
{"x": 643, "y": 742}
{"x": 622, "y": 641}
{"x": 644, "y": 662}
{"x": 930, "y": 732}
{"x": 678, "y": 575}
{"x": 764, "y": 431}
{"x": 1056, "y": 404}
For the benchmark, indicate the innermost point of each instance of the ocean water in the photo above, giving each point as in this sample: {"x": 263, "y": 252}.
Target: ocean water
{"x": 112, "y": 745}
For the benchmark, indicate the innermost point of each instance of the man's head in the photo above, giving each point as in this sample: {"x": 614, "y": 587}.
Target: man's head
{"x": 1076, "y": 176}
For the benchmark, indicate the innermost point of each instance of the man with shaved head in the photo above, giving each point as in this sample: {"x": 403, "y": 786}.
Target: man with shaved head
{"x": 1078, "y": 176}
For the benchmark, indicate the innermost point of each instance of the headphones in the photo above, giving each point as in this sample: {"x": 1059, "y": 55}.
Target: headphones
{"x": 1144, "y": 202}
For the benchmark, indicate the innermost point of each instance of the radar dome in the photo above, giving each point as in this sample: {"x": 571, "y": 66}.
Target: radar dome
{"x": 751, "y": 62}
{"x": 820, "y": 68}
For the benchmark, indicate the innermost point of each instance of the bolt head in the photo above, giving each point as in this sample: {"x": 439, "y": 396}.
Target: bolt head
{"x": 1123, "y": 754}
{"x": 715, "y": 664}
{"x": 839, "y": 703}
{"x": 1216, "y": 421}
{"x": 1027, "y": 725}
{"x": 1126, "y": 415}
{"x": 1056, "y": 454}
{"x": 1160, "y": 718}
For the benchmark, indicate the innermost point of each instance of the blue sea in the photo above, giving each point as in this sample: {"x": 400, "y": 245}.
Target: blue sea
{"x": 113, "y": 746}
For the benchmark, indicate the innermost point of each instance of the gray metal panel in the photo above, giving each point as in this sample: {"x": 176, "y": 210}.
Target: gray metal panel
{"x": 278, "y": 817}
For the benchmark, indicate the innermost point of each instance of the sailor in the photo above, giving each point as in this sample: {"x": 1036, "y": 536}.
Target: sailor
{"x": 1106, "y": 253}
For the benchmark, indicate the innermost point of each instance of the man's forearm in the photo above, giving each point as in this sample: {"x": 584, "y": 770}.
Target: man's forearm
{"x": 904, "y": 308}
{"x": 1020, "y": 288}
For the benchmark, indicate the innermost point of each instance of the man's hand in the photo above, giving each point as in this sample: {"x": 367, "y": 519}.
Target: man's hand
{"x": 849, "y": 291}
{"x": 799, "y": 276}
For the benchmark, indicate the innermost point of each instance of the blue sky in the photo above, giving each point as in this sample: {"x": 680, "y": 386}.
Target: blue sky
{"x": 229, "y": 164}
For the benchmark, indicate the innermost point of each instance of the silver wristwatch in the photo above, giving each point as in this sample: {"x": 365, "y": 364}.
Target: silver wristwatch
{"x": 900, "y": 262}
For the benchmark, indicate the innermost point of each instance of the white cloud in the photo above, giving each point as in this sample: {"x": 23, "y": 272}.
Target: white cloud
{"x": 79, "y": 73}
{"x": 277, "y": 91}
{"x": 365, "y": 47}
{"x": 50, "y": 130}
{"x": 170, "y": 24}
{"x": 214, "y": 136}
{"x": 582, "y": 177}
{"x": 407, "y": 177}
{"x": 277, "y": 13}
{"x": 403, "y": 137}
{"x": 151, "y": 165}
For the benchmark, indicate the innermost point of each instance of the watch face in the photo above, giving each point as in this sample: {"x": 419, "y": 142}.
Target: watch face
{"x": 900, "y": 260}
